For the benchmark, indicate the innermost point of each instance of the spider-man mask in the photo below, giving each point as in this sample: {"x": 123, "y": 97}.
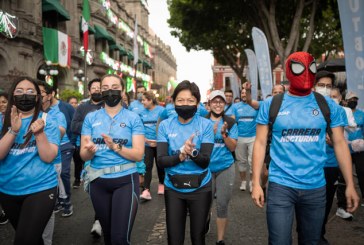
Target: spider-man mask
{"x": 300, "y": 72}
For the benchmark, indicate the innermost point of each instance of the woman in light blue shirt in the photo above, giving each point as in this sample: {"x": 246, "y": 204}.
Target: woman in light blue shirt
{"x": 113, "y": 139}
{"x": 28, "y": 145}
{"x": 184, "y": 146}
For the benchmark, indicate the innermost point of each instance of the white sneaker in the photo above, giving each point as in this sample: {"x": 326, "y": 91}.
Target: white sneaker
{"x": 96, "y": 229}
{"x": 146, "y": 195}
{"x": 250, "y": 187}
{"x": 243, "y": 186}
{"x": 343, "y": 214}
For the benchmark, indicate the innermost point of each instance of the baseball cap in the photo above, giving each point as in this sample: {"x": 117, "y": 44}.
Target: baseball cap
{"x": 351, "y": 95}
{"x": 216, "y": 93}
{"x": 324, "y": 73}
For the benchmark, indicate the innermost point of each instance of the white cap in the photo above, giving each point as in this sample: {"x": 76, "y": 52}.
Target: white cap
{"x": 216, "y": 93}
{"x": 350, "y": 95}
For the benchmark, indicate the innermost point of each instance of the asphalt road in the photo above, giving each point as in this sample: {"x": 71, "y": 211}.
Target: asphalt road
{"x": 247, "y": 224}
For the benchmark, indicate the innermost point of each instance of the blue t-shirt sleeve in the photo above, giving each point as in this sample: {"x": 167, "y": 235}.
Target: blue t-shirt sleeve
{"x": 208, "y": 134}
{"x": 86, "y": 127}
{"x": 163, "y": 115}
{"x": 52, "y": 132}
{"x": 263, "y": 113}
{"x": 162, "y": 135}
{"x": 138, "y": 127}
{"x": 233, "y": 133}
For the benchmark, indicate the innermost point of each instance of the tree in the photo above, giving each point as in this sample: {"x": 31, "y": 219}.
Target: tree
{"x": 65, "y": 94}
{"x": 225, "y": 27}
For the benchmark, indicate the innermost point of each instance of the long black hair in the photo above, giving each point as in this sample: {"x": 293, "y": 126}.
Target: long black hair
{"x": 7, "y": 115}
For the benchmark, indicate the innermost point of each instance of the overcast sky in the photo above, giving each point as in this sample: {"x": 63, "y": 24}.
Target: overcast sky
{"x": 193, "y": 66}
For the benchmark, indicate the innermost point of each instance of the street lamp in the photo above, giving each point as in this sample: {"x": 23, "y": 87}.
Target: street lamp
{"x": 80, "y": 78}
{"x": 48, "y": 70}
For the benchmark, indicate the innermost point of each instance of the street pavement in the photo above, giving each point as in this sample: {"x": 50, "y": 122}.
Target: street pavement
{"x": 247, "y": 224}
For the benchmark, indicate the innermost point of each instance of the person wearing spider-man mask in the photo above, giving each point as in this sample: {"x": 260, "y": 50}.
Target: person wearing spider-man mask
{"x": 296, "y": 176}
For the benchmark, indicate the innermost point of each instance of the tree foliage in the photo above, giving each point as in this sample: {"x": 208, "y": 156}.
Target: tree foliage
{"x": 65, "y": 94}
{"x": 224, "y": 27}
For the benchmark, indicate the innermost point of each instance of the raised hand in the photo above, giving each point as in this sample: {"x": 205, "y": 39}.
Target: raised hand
{"x": 224, "y": 128}
{"x": 15, "y": 119}
{"x": 189, "y": 145}
{"x": 37, "y": 126}
{"x": 108, "y": 141}
{"x": 90, "y": 146}
{"x": 248, "y": 86}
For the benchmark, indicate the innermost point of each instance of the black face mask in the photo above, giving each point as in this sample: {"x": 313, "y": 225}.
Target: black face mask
{"x": 217, "y": 115}
{"x": 25, "y": 102}
{"x": 186, "y": 111}
{"x": 111, "y": 97}
{"x": 352, "y": 104}
{"x": 97, "y": 97}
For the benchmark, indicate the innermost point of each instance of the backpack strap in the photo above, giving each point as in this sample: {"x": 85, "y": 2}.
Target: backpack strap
{"x": 274, "y": 109}
{"x": 273, "y": 112}
{"x": 230, "y": 121}
{"x": 325, "y": 110}
{"x": 227, "y": 108}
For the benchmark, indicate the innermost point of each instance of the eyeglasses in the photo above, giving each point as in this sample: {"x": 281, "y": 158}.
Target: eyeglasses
{"x": 21, "y": 91}
{"x": 218, "y": 102}
{"x": 322, "y": 85}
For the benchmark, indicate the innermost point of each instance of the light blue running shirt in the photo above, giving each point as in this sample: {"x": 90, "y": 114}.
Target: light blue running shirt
{"x": 23, "y": 172}
{"x": 136, "y": 106}
{"x": 150, "y": 119}
{"x": 174, "y": 133}
{"x": 230, "y": 111}
{"x": 59, "y": 120}
{"x": 121, "y": 128}
{"x": 170, "y": 111}
{"x": 298, "y": 148}
{"x": 62, "y": 123}
{"x": 245, "y": 116}
{"x": 221, "y": 157}
{"x": 331, "y": 160}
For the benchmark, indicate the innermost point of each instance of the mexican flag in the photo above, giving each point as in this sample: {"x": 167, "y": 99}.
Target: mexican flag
{"x": 85, "y": 23}
{"x": 57, "y": 47}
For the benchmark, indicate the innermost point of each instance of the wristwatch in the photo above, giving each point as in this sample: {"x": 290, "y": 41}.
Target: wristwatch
{"x": 194, "y": 153}
{"x": 118, "y": 147}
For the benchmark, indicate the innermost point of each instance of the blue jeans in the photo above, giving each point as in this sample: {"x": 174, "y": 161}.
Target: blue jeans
{"x": 309, "y": 207}
{"x": 66, "y": 157}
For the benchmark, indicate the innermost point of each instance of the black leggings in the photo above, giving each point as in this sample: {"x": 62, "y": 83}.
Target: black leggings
{"x": 116, "y": 203}
{"x": 78, "y": 163}
{"x": 29, "y": 214}
{"x": 150, "y": 156}
{"x": 198, "y": 204}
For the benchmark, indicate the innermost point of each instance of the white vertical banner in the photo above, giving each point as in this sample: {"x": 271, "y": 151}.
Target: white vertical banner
{"x": 135, "y": 43}
{"x": 253, "y": 72}
{"x": 352, "y": 26}
{"x": 263, "y": 61}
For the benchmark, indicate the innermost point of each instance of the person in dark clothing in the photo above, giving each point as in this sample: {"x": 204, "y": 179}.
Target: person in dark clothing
{"x": 82, "y": 110}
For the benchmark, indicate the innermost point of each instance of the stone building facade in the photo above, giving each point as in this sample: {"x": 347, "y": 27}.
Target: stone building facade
{"x": 110, "y": 42}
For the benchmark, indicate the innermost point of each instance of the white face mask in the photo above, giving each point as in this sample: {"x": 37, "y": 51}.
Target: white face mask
{"x": 323, "y": 91}
{"x": 336, "y": 101}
